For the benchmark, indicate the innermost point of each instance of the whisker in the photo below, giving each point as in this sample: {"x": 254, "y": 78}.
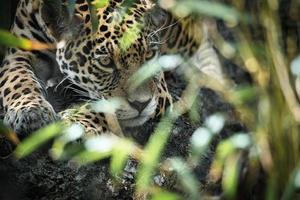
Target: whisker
{"x": 55, "y": 89}
{"x": 159, "y": 42}
{"x": 163, "y": 28}
{"x": 78, "y": 91}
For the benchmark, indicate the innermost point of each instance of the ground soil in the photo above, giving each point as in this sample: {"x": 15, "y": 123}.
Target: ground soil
{"x": 38, "y": 177}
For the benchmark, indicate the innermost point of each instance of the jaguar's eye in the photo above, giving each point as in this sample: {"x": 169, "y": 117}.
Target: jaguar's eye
{"x": 105, "y": 61}
{"x": 150, "y": 54}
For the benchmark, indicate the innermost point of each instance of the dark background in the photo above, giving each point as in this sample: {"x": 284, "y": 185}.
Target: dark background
{"x": 7, "y": 11}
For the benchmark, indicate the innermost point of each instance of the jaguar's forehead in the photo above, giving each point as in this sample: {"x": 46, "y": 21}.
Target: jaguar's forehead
{"x": 95, "y": 60}
{"x": 107, "y": 24}
{"x": 116, "y": 20}
{"x": 121, "y": 12}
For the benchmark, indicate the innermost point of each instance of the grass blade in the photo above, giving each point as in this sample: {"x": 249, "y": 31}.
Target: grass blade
{"x": 37, "y": 139}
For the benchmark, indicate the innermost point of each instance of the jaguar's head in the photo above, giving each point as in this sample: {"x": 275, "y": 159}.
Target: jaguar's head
{"x": 102, "y": 61}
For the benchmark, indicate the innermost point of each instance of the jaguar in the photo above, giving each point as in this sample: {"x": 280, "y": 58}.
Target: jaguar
{"x": 91, "y": 57}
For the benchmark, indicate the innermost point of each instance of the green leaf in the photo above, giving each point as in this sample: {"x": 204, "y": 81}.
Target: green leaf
{"x": 10, "y": 40}
{"x": 292, "y": 185}
{"x": 209, "y": 8}
{"x": 241, "y": 140}
{"x": 200, "y": 140}
{"x": 164, "y": 195}
{"x": 107, "y": 105}
{"x": 215, "y": 123}
{"x": 70, "y": 134}
{"x": 100, "y": 3}
{"x": 272, "y": 190}
{"x": 128, "y": 3}
{"x": 87, "y": 157}
{"x": 237, "y": 141}
{"x": 152, "y": 153}
{"x": 295, "y": 66}
{"x": 8, "y": 133}
{"x": 71, "y": 7}
{"x": 152, "y": 68}
{"x": 119, "y": 156}
{"x": 148, "y": 70}
{"x": 230, "y": 176}
{"x": 244, "y": 94}
{"x": 97, "y": 148}
{"x": 62, "y": 151}
{"x": 186, "y": 178}
{"x": 130, "y": 36}
{"x": 94, "y": 5}
{"x": 38, "y": 138}
{"x": 194, "y": 113}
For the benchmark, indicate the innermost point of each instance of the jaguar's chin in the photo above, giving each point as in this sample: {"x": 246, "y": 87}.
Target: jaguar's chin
{"x": 133, "y": 122}
{"x": 130, "y": 117}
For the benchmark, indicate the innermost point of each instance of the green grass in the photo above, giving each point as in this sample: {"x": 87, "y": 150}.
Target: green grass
{"x": 269, "y": 108}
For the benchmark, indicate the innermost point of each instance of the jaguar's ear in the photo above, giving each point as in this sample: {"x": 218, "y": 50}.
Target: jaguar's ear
{"x": 63, "y": 21}
{"x": 55, "y": 17}
{"x": 157, "y": 16}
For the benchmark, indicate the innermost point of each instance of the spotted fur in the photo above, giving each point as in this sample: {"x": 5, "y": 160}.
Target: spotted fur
{"x": 92, "y": 59}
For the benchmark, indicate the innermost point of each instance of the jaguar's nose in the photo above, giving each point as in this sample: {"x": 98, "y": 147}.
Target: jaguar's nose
{"x": 139, "y": 106}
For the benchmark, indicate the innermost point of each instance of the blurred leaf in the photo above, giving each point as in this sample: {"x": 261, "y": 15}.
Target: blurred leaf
{"x": 94, "y": 19}
{"x": 230, "y": 176}
{"x": 187, "y": 179}
{"x": 170, "y": 62}
{"x": 237, "y": 141}
{"x": 152, "y": 153}
{"x": 36, "y": 139}
{"x": 200, "y": 140}
{"x": 244, "y": 94}
{"x": 102, "y": 143}
{"x": 215, "y": 123}
{"x": 209, "y": 8}
{"x": 152, "y": 68}
{"x": 94, "y": 5}
{"x": 227, "y": 157}
{"x": 292, "y": 185}
{"x": 121, "y": 151}
{"x": 297, "y": 178}
{"x": 57, "y": 149}
{"x": 8, "y": 133}
{"x": 202, "y": 137}
{"x": 272, "y": 192}
{"x": 128, "y": 3}
{"x": 97, "y": 148}
{"x": 165, "y": 195}
{"x": 130, "y": 36}
{"x": 107, "y": 105}
{"x": 8, "y": 39}
{"x": 61, "y": 151}
{"x": 87, "y": 157}
{"x": 71, "y": 7}
{"x": 194, "y": 113}
{"x": 70, "y": 134}
{"x": 148, "y": 70}
{"x": 100, "y": 3}
{"x": 295, "y": 66}
{"x": 241, "y": 140}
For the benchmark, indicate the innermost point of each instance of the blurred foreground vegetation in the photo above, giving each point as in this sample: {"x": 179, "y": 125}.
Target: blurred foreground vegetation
{"x": 264, "y": 40}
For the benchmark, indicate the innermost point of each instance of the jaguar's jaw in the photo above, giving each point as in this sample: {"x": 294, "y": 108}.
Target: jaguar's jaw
{"x": 133, "y": 122}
